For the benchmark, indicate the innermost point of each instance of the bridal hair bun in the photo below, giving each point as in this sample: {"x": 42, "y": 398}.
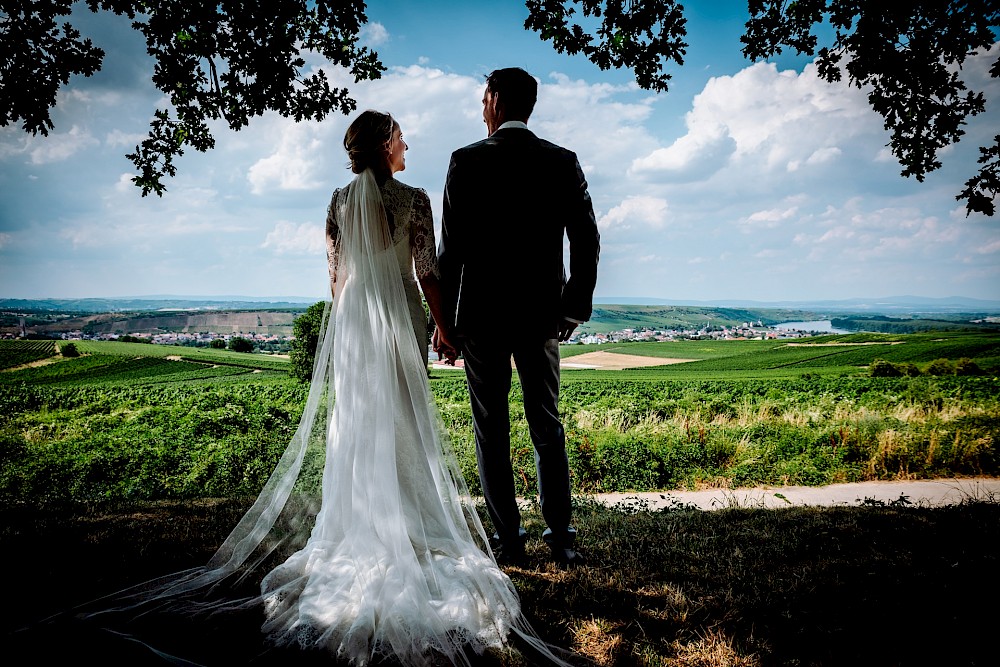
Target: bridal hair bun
{"x": 367, "y": 141}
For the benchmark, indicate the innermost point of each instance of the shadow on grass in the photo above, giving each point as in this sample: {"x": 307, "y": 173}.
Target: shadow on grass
{"x": 865, "y": 585}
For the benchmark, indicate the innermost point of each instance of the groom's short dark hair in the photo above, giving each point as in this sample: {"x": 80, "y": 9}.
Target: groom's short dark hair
{"x": 517, "y": 89}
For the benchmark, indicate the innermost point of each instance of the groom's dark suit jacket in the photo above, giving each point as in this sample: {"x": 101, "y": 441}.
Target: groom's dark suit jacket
{"x": 508, "y": 200}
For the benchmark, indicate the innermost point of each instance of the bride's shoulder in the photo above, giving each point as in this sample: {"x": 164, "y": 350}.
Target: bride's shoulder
{"x": 399, "y": 195}
{"x": 340, "y": 194}
{"x": 401, "y": 187}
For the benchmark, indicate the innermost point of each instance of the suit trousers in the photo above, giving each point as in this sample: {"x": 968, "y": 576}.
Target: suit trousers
{"x": 488, "y": 372}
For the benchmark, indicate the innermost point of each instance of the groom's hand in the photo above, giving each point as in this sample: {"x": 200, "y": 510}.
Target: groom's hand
{"x": 566, "y": 329}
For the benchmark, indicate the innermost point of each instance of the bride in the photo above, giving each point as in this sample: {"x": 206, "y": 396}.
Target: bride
{"x": 395, "y": 564}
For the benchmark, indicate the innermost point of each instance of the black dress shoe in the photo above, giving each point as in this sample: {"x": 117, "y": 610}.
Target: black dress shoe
{"x": 510, "y": 552}
{"x": 515, "y": 557}
{"x": 568, "y": 557}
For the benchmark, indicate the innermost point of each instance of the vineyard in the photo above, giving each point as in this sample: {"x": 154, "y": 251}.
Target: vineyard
{"x": 131, "y": 420}
{"x": 846, "y": 354}
{"x": 14, "y": 353}
{"x": 127, "y": 363}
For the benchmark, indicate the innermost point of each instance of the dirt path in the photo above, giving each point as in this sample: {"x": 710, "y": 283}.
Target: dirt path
{"x": 613, "y": 361}
{"x": 930, "y": 493}
{"x": 35, "y": 364}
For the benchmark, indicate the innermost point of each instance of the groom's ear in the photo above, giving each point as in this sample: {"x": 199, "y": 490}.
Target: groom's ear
{"x": 498, "y": 106}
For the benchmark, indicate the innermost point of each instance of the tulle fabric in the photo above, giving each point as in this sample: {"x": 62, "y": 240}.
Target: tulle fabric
{"x": 388, "y": 558}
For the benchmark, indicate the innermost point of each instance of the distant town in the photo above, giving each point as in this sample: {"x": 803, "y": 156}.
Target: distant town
{"x": 746, "y": 331}
{"x": 269, "y": 328}
{"x": 280, "y": 343}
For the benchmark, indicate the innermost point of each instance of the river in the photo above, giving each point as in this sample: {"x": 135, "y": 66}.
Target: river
{"x": 821, "y": 326}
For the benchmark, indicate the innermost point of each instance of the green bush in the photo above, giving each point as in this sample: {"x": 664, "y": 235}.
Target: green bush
{"x": 940, "y": 367}
{"x": 306, "y": 329}
{"x": 240, "y": 344}
{"x": 880, "y": 368}
{"x": 966, "y": 366}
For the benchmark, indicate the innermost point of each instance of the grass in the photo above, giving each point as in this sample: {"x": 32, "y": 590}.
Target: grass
{"x": 738, "y": 587}
{"x": 147, "y": 437}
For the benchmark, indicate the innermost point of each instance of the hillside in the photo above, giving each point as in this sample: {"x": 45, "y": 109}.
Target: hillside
{"x": 243, "y": 315}
{"x": 266, "y": 322}
{"x": 615, "y": 317}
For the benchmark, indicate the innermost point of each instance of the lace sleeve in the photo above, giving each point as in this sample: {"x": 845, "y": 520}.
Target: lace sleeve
{"x": 332, "y": 235}
{"x": 422, "y": 237}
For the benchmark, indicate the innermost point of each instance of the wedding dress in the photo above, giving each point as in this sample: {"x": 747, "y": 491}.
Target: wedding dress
{"x": 392, "y": 566}
{"x": 395, "y": 563}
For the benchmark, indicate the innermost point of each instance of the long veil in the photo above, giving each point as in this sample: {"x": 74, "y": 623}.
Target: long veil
{"x": 364, "y": 542}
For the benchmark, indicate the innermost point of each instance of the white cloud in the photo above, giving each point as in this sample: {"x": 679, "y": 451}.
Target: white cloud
{"x": 606, "y": 125}
{"x": 5, "y": 239}
{"x": 374, "y": 34}
{"x": 769, "y": 218}
{"x": 649, "y": 211}
{"x": 820, "y": 156}
{"x": 116, "y": 138}
{"x": 989, "y": 248}
{"x": 59, "y": 146}
{"x": 124, "y": 184}
{"x": 287, "y": 238}
{"x": 763, "y": 120}
{"x": 12, "y": 141}
{"x": 293, "y": 164}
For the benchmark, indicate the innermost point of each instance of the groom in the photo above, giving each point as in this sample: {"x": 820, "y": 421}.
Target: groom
{"x": 508, "y": 201}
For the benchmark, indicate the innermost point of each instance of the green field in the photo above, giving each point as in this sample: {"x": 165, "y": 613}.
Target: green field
{"x": 15, "y": 353}
{"x": 843, "y": 354}
{"x": 108, "y": 362}
{"x": 131, "y": 420}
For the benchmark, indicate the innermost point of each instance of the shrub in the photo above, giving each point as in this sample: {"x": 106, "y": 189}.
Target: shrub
{"x": 940, "y": 367}
{"x": 69, "y": 350}
{"x": 239, "y": 344}
{"x": 966, "y": 366}
{"x": 306, "y": 330}
{"x": 880, "y": 368}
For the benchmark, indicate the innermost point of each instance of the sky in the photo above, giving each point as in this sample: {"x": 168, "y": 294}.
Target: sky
{"x": 750, "y": 181}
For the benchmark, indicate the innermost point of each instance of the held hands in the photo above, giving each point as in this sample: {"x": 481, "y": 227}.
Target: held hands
{"x": 444, "y": 347}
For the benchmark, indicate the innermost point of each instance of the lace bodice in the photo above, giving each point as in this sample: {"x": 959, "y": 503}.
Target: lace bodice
{"x": 410, "y": 219}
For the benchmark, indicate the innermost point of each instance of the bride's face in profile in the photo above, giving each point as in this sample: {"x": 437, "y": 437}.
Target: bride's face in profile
{"x": 397, "y": 149}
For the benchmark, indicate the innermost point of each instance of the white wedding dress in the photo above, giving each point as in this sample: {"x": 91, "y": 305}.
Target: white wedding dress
{"x": 392, "y": 567}
{"x": 395, "y": 564}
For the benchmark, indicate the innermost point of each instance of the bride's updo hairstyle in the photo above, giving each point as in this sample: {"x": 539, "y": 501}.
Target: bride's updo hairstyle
{"x": 367, "y": 143}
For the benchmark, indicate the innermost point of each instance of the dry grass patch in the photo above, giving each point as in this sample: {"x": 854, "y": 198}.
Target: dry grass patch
{"x": 614, "y": 361}
{"x": 599, "y": 640}
{"x": 712, "y": 649}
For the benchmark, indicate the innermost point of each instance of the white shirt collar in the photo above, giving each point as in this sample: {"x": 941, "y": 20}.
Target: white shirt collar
{"x": 513, "y": 123}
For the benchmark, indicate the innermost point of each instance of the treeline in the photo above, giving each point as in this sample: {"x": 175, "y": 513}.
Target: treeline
{"x": 938, "y": 367}
{"x": 901, "y": 325}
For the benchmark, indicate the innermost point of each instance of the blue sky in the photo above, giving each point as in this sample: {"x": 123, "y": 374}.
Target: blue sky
{"x": 744, "y": 181}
